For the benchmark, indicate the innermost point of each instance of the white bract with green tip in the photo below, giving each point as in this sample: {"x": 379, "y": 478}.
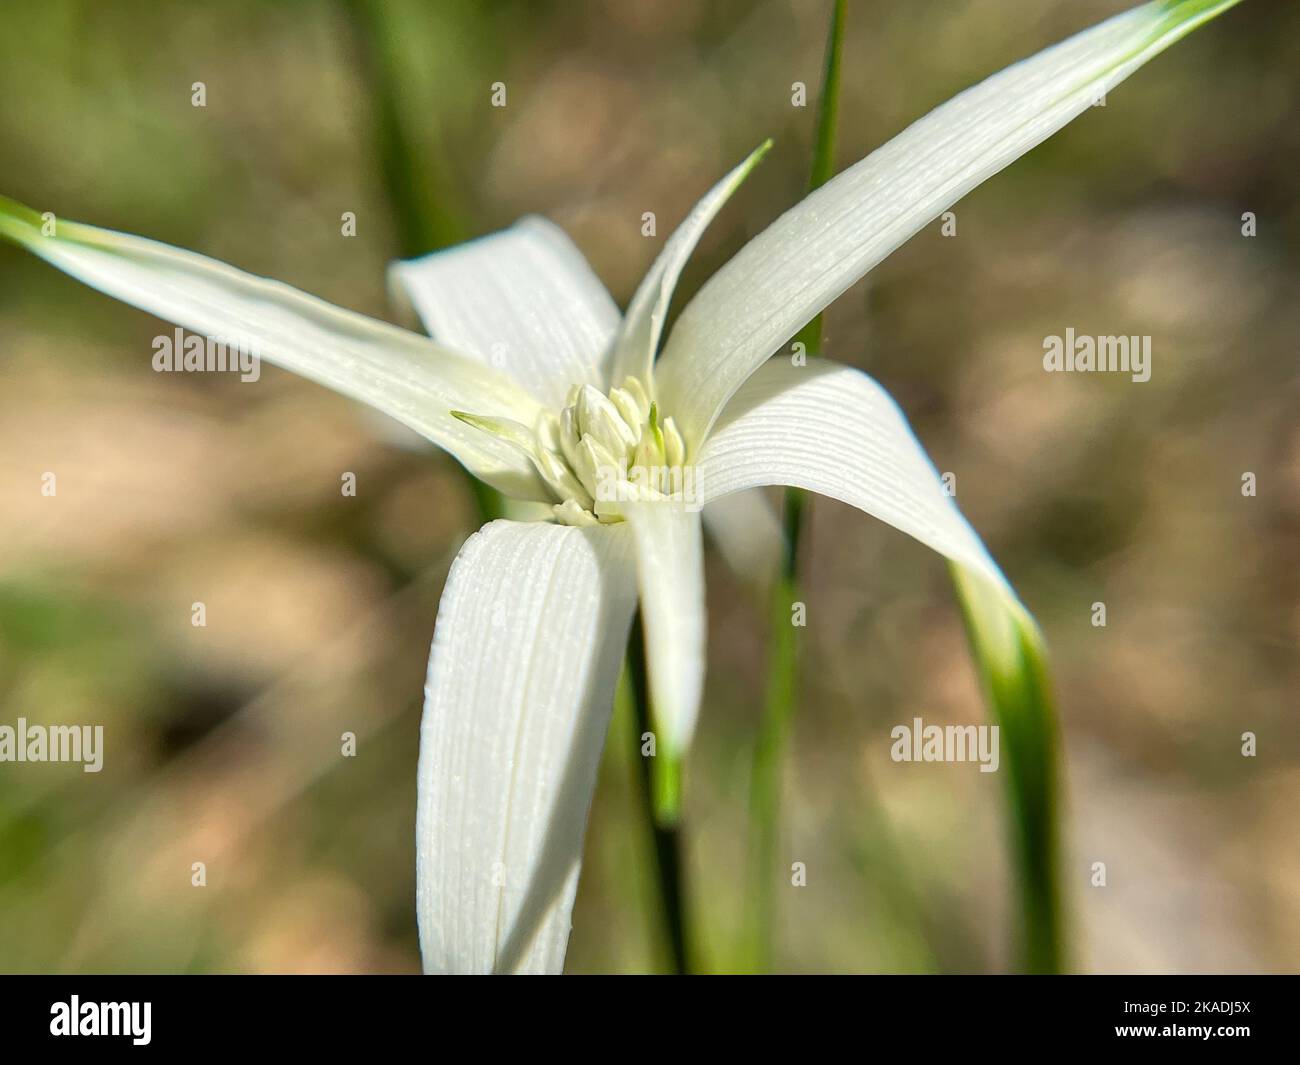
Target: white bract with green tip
{"x": 537, "y": 385}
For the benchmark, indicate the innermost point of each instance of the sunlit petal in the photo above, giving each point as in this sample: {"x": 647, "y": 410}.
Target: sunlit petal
{"x": 400, "y": 373}
{"x": 832, "y": 429}
{"x": 787, "y": 274}
{"x": 670, "y": 575}
{"x": 523, "y": 300}
{"x": 530, "y": 636}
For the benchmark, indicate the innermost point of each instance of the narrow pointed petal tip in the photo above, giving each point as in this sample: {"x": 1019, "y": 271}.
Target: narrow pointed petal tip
{"x": 810, "y": 255}
{"x": 400, "y": 373}
{"x": 526, "y": 654}
{"x": 638, "y": 338}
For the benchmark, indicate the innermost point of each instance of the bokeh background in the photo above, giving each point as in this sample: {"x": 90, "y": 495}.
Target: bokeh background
{"x": 223, "y": 742}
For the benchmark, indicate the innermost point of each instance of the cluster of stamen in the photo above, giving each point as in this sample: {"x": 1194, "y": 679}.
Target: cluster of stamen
{"x": 598, "y": 451}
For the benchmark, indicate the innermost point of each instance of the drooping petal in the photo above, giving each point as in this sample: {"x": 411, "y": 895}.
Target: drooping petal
{"x": 395, "y": 371}
{"x": 638, "y": 339}
{"x": 670, "y": 576}
{"x": 524, "y": 301}
{"x": 746, "y": 530}
{"x": 788, "y": 273}
{"x": 831, "y": 429}
{"x": 526, "y": 654}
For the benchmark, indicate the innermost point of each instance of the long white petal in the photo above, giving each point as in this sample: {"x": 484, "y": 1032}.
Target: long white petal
{"x": 832, "y": 429}
{"x": 524, "y": 301}
{"x": 638, "y": 339}
{"x": 788, "y": 273}
{"x": 395, "y": 371}
{"x": 526, "y": 654}
{"x": 670, "y": 575}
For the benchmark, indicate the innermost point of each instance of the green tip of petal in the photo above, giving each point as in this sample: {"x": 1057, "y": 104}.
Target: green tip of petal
{"x": 18, "y": 222}
{"x": 511, "y": 432}
{"x": 755, "y": 157}
{"x": 666, "y": 788}
{"x": 479, "y": 421}
{"x": 1180, "y": 17}
{"x": 1192, "y": 8}
{"x": 752, "y": 160}
{"x": 1012, "y": 662}
{"x": 469, "y": 419}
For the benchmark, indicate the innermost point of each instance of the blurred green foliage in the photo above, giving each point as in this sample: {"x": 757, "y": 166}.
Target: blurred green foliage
{"x": 223, "y": 743}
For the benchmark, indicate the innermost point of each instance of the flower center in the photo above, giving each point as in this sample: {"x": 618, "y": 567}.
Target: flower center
{"x": 599, "y": 450}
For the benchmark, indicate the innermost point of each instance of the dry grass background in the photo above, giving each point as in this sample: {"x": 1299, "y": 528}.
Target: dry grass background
{"x": 223, "y": 742}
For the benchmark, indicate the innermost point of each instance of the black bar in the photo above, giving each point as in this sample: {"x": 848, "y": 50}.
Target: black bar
{"x": 862, "y": 1015}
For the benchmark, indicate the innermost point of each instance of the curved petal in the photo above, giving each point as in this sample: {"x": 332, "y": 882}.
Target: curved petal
{"x": 526, "y": 654}
{"x": 524, "y": 301}
{"x": 670, "y": 575}
{"x": 831, "y": 429}
{"x": 787, "y": 274}
{"x": 400, "y": 373}
{"x": 638, "y": 339}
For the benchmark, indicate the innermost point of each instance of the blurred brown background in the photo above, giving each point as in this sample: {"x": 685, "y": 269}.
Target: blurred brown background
{"x": 223, "y": 742}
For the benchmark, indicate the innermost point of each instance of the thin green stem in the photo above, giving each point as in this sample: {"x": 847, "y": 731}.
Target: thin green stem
{"x": 769, "y": 754}
{"x": 415, "y": 190}
{"x": 418, "y": 192}
{"x": 670, "y": 873}
{"x": 783, "y": 653}
{"x": 1008, "y": 653}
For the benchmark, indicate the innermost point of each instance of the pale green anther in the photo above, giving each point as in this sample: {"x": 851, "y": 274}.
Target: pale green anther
{"x": 653, "y": 424}
{"x": 597, "y": 445}
{"x": 674, "y": 445}
{"x": 583, "y": 405}
{"x": 640, "y": 397}
{"x": 598, "y": 463}
{"x": 650, "y": 451}
{"x": 645, "y": 454}
{"x": 558, "y": 477}
{"x": 641, "y": 393}
{"x": 547, "y": 428}
{"x": 570, "y": 512}
{"x": 628, "y": 407}
{"x": 512, "y": 432}
{"x": 598, "y": 417}
{"x": 561, "y": 480}
{"x": 569, "y": 434}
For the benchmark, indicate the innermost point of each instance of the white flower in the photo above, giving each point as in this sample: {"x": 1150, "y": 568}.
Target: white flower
{"x": 540, "y": 389}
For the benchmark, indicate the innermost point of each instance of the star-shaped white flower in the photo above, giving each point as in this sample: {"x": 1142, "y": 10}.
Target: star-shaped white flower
{"x": 538, "y": 387}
